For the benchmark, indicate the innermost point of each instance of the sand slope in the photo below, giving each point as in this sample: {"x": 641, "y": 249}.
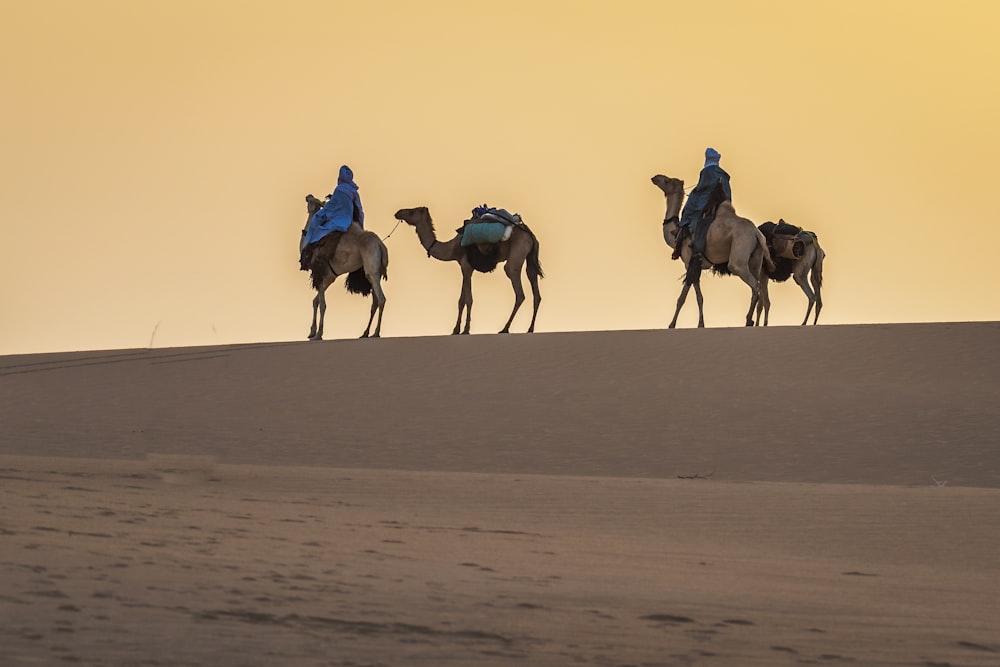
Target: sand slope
{"x": 894, "y": 404}
{"x": 736, "y": 497}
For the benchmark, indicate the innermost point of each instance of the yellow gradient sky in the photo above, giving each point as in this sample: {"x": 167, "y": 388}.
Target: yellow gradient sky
{"x": 155, "y": 156}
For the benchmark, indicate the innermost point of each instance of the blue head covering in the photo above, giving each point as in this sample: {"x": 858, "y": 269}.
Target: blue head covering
{"x": 345, "y": 181}
{"x": 346, "y": 176}
{"x": 712, "y": 157}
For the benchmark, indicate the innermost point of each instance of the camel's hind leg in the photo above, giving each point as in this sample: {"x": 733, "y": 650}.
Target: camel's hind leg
{"x": 378, "y": 304}
{"x": 801, "y": 279}
{"x": 536, "y": 300}
{"x": 513, "y": 271}
{"x": 817, "y": 282}
{"x": 748, "y": 271}
{"x": 764, "y": 302}
{"x": 374, "y": 271}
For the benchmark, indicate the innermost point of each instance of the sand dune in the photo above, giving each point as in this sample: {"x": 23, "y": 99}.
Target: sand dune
{"x": 820, "y": 495}
{"x": 894, "y": 404}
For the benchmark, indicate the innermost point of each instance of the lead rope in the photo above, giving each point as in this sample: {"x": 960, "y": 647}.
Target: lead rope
{"x": 393, "y": 230}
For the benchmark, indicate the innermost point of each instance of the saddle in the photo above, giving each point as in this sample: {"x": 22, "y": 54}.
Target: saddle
{"x": 323, "y": 250}
{"x": 705, "y": 219}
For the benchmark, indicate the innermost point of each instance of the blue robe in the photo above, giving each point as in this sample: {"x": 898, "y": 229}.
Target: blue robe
{"x": 341, "y": 209}
{"x": 698, "y": 199}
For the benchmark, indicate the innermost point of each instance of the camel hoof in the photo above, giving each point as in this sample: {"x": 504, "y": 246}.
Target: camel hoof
{"x": 504, "y": 331}
{"x": 315, "y": 338}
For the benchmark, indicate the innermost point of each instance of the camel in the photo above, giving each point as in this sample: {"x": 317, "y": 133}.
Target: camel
{"x": 358, "y": 253}
{"x": 733, "y": 245}
{"x": 804, "y": 270}
{"x": 520, "y": 250}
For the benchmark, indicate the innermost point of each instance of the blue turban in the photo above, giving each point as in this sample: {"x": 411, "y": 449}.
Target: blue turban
{"x": 712, "y": 156}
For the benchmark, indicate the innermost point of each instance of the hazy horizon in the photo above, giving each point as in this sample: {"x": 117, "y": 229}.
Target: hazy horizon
{"x": 157, "y": 156}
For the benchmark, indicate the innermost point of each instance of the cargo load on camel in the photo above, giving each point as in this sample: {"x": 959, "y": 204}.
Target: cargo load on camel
{"x": 488, "y": 225}
{"x": 785, "y": 240}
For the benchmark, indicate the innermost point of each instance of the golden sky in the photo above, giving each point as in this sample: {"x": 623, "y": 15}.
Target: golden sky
{"x": 155, "y": 156}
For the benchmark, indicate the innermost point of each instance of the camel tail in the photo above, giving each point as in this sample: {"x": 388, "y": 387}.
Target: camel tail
{"x": 534, "y": 265}
{"x": 818, "y": 268}
{"x": 767, "y": 253}
{"x": 385, "y": 261}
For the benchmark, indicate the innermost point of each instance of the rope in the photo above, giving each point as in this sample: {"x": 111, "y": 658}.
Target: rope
{"x": 393, "y": 230}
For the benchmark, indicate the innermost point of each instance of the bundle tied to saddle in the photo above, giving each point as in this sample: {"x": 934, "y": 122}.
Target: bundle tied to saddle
{"x": 787, "y": 241}
{"x": 488, "y": 225}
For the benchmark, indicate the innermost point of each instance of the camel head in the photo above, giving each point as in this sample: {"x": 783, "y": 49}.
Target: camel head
{"x": 414, "y": 216}
{"x": 670, "y": 186}
{"x": 313, "y": 204}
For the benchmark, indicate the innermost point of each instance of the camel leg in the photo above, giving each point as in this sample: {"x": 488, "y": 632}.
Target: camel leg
{"x": 680, "y": 303}
{"x": 513, "y": 271}
{"x": 816, "y": 278}
{"x": 319, "y": 301}
{"x": 764, "y": 303}
{"x": 743, "y": 271}
{"x": 803, "y": 283}
{"x": 312, "y": 329}
{"x": 374, "y": 267}
{"x": 536, "y": 300}
{"x": 701, "y": 305}
{"x": 378, "y": 303}
{"x": 466, "y": 297}
{"x": 464, "y": 301}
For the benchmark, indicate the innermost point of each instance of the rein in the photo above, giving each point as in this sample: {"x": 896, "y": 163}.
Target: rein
{"x": 393, "y": 230}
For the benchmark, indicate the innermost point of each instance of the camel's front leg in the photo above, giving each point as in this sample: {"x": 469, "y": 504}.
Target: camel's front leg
{"x": 513, "y": 272}
{"x": 464, "y": 300}
{"x": 319, "y": 304}
{"x": 701, "y": 305}
{"x": 680, "y": 303}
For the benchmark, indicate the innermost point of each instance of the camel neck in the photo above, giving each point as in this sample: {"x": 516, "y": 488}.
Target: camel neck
{"x": 673, "y": 208}
{"x": 443, "y": 250}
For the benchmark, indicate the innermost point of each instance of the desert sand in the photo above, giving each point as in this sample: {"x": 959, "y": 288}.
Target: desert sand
{"x": 818, "y": 495}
